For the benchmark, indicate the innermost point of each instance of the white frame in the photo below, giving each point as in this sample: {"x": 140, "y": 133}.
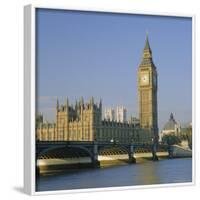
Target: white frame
{"x": 29, "y": 99}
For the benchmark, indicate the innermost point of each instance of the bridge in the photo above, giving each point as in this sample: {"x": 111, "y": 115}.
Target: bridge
{"x": 63, "y": 149}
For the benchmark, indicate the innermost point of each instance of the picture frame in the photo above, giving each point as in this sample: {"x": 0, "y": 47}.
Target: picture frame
{"x": 30, "y": 79}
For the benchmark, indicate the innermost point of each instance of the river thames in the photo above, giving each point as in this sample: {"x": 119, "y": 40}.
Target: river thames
{"x": 144, "y": 173}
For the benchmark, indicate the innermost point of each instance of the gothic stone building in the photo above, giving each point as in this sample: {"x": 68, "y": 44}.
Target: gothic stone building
{"x": 83, "y": 121}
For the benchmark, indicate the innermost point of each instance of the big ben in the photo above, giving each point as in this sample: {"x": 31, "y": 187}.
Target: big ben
{"x": 147, "y": 91}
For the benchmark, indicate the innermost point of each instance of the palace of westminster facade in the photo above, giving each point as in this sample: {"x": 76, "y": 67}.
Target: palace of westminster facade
{"x": 83, "y": 121}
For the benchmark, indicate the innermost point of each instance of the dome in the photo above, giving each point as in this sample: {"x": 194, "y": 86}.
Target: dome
{"x": 171, "y": 124}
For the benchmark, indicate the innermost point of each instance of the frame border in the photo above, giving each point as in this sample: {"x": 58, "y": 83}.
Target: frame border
{"x": 30, "y": 94}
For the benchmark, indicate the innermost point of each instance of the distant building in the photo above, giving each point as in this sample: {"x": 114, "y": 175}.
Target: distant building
{"x": 109, "y": 114}
{"x": 121, "y": 114}
{"x": 135, "y": 121}
{"x": 171, "y": 127}
{"x": 118, "y": 116}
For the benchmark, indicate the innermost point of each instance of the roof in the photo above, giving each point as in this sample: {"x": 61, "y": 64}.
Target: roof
{"x": 170, "y": 125}
{"x": 147, "y": 46}
{"x": 146, "y": 60}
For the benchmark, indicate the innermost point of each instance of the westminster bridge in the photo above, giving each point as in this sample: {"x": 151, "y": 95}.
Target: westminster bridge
{"x": 67, "y": 149}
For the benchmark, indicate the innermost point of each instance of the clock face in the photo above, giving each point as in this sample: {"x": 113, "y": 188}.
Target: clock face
{"x": 145, "y": 79}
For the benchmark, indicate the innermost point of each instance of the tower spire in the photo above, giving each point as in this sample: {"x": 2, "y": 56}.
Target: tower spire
{"x": 147, "y": 54}
{"x": 147, "y": 46}
{"x": 81, "y": 101}
{"x": 171, "y": 116}
{"x": 100, "y": 103}
{"x": 66, "y": 103}
{"x": 57, "y": 104}
{"x": 92, "y": 100}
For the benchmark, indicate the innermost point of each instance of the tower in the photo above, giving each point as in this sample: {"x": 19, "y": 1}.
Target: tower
{"x": 109, "y": 114}
{"x": 147, "y": 91}
{"x": 121, "y": 114}
{"x": 62, "y": 121}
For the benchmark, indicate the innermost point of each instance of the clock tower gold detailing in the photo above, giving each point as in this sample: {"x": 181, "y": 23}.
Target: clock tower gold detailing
{"x": 147, "y": 91}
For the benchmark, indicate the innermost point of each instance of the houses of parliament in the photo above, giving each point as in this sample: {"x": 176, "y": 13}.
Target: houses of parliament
{"x": 84, "y": 122}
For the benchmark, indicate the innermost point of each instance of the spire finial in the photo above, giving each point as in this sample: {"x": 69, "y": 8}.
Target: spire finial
{"x": 100, "y": 103}
{"x": 92, "y": 100}
{"x": 57, "y": 104}
{"x": 67, "y": 102}
{"x": 81, "y": 100}
{"x": 147, "y": 41}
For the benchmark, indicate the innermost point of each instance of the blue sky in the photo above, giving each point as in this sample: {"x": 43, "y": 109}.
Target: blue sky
{"x": 98, "y": 54}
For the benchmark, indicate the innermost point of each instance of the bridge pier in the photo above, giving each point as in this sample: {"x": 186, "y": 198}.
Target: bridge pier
{"x": 170, "y": 151}
{"x": 37, "y": 168}
{"x": 95, "y": 162}
{"x": 154, "y": 150}
{"x": 37, "y": 171}
{"x": 131, "y": 157}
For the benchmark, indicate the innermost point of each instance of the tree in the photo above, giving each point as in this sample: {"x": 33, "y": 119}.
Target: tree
{"x": 170, "y": 139}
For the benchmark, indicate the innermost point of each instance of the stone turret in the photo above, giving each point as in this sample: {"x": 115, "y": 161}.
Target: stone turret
{"x": 57, "y": 104}
{"x": 100, "y": 104}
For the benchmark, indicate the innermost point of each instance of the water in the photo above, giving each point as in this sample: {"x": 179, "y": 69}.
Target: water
{"x": 145, "y": 173}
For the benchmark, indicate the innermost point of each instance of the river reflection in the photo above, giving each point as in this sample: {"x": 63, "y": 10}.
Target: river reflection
{"x": 145, "y": 173}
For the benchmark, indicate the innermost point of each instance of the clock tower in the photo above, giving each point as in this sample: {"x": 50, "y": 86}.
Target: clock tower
{"x": 147, "y": 91}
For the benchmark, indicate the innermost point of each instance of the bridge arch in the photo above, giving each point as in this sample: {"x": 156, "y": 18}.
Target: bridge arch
{"x": 64, "y": 152}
